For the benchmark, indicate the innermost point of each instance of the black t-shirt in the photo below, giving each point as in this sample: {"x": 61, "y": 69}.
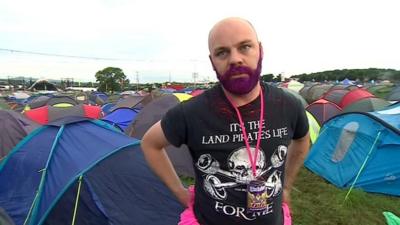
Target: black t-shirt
{"x": 209, "y": 126}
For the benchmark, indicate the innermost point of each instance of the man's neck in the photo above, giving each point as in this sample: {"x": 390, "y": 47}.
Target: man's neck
{"x": 240, "y": 100}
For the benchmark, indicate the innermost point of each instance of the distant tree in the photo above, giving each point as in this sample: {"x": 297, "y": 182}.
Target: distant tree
{"x": 267, "y": 77}
{"x": 362, "y": 75}
{"x": 111, "y": 79}
{"x": 278, "y": 78}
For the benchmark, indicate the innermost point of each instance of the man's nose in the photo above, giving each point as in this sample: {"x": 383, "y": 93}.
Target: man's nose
{"x": 235, "y": 58}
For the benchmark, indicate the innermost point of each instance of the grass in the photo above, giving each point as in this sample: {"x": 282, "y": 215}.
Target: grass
{"x": 317, "y": 202}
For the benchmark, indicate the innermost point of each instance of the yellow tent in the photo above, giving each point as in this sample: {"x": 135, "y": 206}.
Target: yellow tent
{"x": 182, "y": 96}
{"x": 314, "y": 127}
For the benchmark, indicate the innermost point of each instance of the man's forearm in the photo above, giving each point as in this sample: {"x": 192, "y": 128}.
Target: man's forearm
{"x": 163, "y": 168}
{"x": 297, "y": 152}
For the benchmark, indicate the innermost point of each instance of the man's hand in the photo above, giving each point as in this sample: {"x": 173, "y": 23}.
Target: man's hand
{"x": 286, "y": 197}
{"x": 183, "y": 197}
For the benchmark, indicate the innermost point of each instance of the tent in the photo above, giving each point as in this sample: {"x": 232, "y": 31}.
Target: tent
{"x": 128, "y": 102}
{"x": 347, "y": 82}
{"x": 343, "y": 87}
{"x": 293, "y": 85}
{"x": 394, "y": 95}
{"x": 152, "y": 113}
{"x": 316, "y": 91}
{"x": 82, "y": 97}
{"x": 83, "y": 172}
{"x": 19, "y": 95}
{"x": 42, "y": 85}
{"x": 98, "y": 98}
{"x": 335, "y": 95}
{"x": 121, "y": 117}
{"x": 196, "y": 92}
{"x": 297, "y": 95}
{"x": 46, "y": 114}
{"x": 360, "y": 150}
{"x": 353, "y": 96}
{"x": 323, "y": 110}
{"x": 106, "y": 108}
{"x": 52, "y": 100}
{"x": 149, "y": 98}
{"x": 367, "y": 105}
{"x": 313, "y": 127}
{"x": 380, "y": 90}
{"x": 14, "y": 127}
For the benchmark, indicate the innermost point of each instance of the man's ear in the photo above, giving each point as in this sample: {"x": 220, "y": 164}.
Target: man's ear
{"x": 209, "y": 56}
{"x": 261, "y": 50}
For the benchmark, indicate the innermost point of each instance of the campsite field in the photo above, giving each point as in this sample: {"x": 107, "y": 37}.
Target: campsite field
{"x": 317, "y": 202}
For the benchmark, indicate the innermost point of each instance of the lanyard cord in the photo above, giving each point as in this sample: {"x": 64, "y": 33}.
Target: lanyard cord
{"x": 253, "y": 160}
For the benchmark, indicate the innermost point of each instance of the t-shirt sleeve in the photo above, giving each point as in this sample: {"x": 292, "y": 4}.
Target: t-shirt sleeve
{"x": 174, "y": 126}
{"x": 301, "y": 121}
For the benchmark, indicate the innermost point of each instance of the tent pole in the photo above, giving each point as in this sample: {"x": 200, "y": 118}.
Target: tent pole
{"x": 363, "y": 165}
{"x": 77, "y": 200}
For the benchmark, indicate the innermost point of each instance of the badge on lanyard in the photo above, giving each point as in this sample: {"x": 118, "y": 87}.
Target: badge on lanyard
{"x": 256, "y": 196}
{"x": 256, "y": 189}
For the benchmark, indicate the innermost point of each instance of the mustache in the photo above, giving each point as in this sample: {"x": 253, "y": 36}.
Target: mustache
{"x": 234, "y": 70}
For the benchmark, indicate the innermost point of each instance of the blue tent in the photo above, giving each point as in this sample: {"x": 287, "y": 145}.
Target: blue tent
{"x": 360, "y": 150}
{"x": 106, "y": 108}
{"x": 121, "y": 117}
{"x": 98, "y": 97}
{"x": 83, "y": 172}
{"x": 347, "y": 82}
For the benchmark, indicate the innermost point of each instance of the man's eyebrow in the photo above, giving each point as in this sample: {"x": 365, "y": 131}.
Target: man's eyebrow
{"x": 220, "y": 49}
{"x": 245, "y": 42}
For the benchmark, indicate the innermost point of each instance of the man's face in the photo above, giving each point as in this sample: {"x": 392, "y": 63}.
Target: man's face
{"x": 235, "y": 54}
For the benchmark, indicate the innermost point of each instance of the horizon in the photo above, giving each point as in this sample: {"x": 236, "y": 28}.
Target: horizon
{"x": 27, "y": 78}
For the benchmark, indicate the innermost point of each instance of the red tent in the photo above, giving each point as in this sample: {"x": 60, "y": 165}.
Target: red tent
{"x": 353, "y": 96}
{"x": 175, "y": 86}
{"x": 45, "y": 114}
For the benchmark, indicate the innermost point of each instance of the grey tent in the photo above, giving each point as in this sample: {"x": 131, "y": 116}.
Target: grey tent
{"x": 343, "y": 87}
{"x": 367, "y": 105}
{"x": 394, "y": 94}
{"x": 82, "y": 97}
{"x": 335, "y": 95}
{"x": 51, "y": 100}
{"x": 149, "y": 115}
{"x": 297, "y": 95}
{"x": 128, "y": 102}
{"x": 14, "y": 127}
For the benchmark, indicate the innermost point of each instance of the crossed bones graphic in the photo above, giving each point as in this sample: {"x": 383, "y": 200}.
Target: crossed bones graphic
{"x": 240, "y": 171}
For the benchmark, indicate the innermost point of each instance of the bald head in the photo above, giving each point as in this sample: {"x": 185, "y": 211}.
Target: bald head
{"x": 228, "y": 26}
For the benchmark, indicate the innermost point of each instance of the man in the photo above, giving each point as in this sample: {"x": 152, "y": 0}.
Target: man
{"x": 238, "y": 133}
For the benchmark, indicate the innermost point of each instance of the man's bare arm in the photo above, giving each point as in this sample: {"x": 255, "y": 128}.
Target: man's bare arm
{"x": 297, "y": 152}
{"x": 153, "y": 144}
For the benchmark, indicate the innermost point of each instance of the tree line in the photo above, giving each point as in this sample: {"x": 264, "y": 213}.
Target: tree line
{"x": 361, "y": 75}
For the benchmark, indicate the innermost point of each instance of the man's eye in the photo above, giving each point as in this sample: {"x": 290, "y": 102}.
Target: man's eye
{"x": 245, "y": 47}
{"x": 221, "y": 54}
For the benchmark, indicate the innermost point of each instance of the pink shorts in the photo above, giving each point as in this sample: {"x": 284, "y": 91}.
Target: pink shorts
{"x": 188, "y": 217}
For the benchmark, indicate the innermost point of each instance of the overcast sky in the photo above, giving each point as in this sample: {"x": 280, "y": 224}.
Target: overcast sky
{"x": 167, "y": 39}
